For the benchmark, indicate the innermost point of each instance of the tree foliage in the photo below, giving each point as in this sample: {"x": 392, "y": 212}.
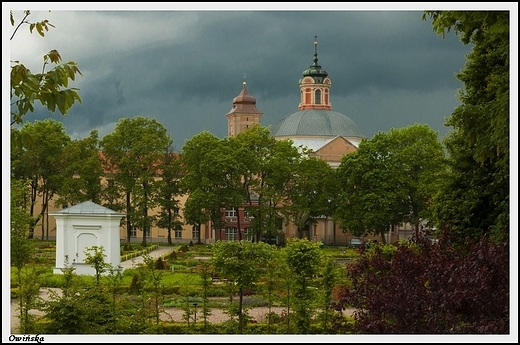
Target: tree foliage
{"x": 95, "y": 256}
{"x": 391, "y": 179}
{"x": 132, "y": 154}
{"x": 267, "y": 166}
{"x": 41, "y": 166}
{"x": 21, "y": 246}
{"x": 425, "y": 288}
{"x": 50, "y": 87}
{"x": 303, "y": 259}
{"x": 77, "y": 310}
{"x": 241, "y": 263}
{"x": 198, "y": 182}
{"x": 82, "y": 171}
{"x": 168, "y": 191}
{"x": 477, "y": 190}
{"x": 309, "y": 194}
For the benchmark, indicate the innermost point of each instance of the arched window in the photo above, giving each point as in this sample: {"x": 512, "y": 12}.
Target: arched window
{"x": 317, "y": 96}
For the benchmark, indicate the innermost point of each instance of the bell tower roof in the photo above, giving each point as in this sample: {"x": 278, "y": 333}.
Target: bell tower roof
{"x": 244, "y": 112}
{"x": 244, "y": 102}
{"x": 315, "y": 71}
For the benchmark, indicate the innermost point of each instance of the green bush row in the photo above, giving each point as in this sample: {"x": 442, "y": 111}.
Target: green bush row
{"x": 138, "y": 253}
{"x": 231, "y": 327}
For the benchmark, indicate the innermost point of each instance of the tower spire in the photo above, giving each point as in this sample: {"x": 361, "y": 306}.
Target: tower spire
{"x": 315, "y": 50}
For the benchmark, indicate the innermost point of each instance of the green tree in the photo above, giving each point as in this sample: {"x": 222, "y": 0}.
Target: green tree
{"x": 42, "y": 166}
{"x": 197, "y": 178}
{"x": 226, "y": 176}
{"x": 22, "y": 251}
{"x": 22, "y": 248}
{"x": 273, "y": 284}
{"x": 368, "y": 201}
{"x": 391, "y": 179}
{"x": 29, "y": 284}
{"x": 168, "y": 190}
{"x": 132, "y": 155}
{"x": 241, "y": 263}
{"x": 152, "y": 287}
{"x": 269, "y": 168}
{"x": 304, "y": 259}
{"x": 95, "y": 256}
{"x": 330, "y": 277}
{"x": 50, "y": 87}
{"x": 82, "y": 172}
{"x": 195, "y": 210}
{"x": 120, "y": 318}
{"x": 475, "y": 198}
{"x": 204, "y": 270}
{"x": 312, "y": 187}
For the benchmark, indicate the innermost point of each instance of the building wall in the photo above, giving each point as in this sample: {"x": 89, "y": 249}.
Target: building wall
{"x": 335, "y": 150}
{"x": 78, "y": 232}
{"x": 156, "y": 234}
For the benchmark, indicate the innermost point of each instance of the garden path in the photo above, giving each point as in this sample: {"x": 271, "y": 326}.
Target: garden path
{"x": 160, "y": 251}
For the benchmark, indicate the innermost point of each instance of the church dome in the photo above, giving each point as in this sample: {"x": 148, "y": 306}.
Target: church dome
{"x": 315, "y": 117}
{"x": 314, "y": 122}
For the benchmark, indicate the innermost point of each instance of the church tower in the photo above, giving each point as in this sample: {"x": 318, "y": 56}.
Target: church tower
{"x": 244, "y": 113}
{"x": 315, "y": 86}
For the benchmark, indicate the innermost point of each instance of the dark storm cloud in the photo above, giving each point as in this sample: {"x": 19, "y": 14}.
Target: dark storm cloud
{"x": 184, "y": 68}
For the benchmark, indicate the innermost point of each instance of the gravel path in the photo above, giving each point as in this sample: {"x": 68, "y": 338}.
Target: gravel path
{"x": 168, "y": 314}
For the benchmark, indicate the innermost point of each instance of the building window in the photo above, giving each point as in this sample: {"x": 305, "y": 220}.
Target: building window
{"x": 195, "y": 232}
{"x": 249, "y": 235}
{"x": 317, "y": 96}
{"x": 176, "y": 211}
{"x": 178, "y": 232}
{"x": 231, "y": 213}
{"x": 133, "y": 232}
{"x": 231, "y": 234}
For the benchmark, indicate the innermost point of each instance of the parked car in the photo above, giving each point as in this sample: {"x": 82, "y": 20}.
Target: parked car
{"x": 355, "y": 243}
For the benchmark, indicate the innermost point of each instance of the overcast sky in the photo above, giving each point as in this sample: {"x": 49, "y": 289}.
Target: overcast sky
{"x": 183, "y": 67}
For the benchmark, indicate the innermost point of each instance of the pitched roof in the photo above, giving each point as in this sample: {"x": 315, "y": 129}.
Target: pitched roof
{"x": 87, "y": 207}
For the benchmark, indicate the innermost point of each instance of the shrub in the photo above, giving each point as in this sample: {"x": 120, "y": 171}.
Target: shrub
{"x": 135, "y": 285}
{"x": 159, "y": 265}
{"x": 448, "y": 290}
{"x": 15, "y": 292}
{"x": 172, "y": 255}
{"x": 182, "y": 328}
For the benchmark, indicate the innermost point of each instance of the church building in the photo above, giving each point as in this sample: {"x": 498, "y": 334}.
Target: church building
{"x": 327, "y": 133}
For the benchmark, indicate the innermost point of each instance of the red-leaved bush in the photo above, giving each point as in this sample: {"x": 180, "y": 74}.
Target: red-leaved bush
{"x": 430, "y": 288}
